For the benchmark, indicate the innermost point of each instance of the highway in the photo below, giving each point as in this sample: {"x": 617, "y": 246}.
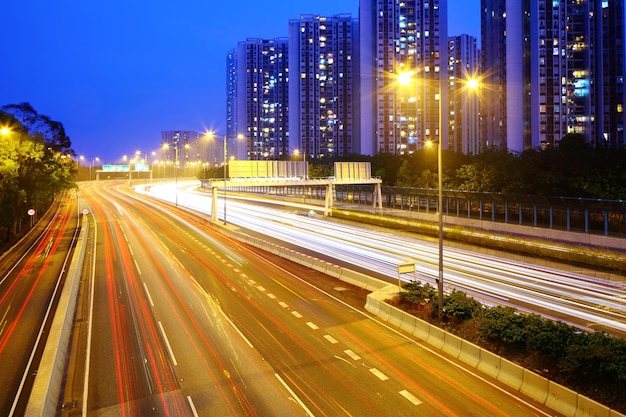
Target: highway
{"x": 574, "y": 298}
{"x": 182, "y": 320}
{"x": 32, "y": 276}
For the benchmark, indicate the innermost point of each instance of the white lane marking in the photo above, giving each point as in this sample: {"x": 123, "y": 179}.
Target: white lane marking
{"x": 260, "y": 288}
{"x": 237, "y": 329}
{"x": 193, "y": 407}
{"x": 145, "y": 287}
{"x": 137, "y": 266}
{"x": 167, "y": 343}
{"x": 295, "y": 313}
{"x": 330, "y": 339}
{"x": 352, "y": 354}
{"x": 379, "y": 374}
{"x": 345, "y": 360}
{"x": 295, "y": 397}
{"x": 312, "y": 325}
{"x": 406, "y": 394}
{"x": 272, "y": 296}
{"x": 283, "y": 304}
{"x": 4, "y": 319}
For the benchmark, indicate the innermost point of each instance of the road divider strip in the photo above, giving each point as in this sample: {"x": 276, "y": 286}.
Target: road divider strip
{"x": 44, "y": 397}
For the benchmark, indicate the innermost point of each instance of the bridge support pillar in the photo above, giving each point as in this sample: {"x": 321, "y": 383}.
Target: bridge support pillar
{"x": 330, "y": 198}
{"x": 378, "y": 198}
{"x": 214, "y": 203}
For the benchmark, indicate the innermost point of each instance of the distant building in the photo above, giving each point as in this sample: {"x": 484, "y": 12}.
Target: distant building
{"x": 182, "y": 146}
{"x": 402, "y": 37}
{"x": 258, "y": 124}
{"x": 464, "y": 118}
{"x": 553, "y": 68}
{"x": 323, "y": 86}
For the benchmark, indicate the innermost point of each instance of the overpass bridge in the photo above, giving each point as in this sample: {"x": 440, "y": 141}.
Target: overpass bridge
{"x": 285, "y": 174}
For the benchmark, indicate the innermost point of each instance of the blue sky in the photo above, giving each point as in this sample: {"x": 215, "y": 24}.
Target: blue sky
{"x": 117, "y": 72}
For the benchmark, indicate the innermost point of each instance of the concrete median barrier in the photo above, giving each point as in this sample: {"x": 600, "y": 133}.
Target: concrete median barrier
{"x": 408, "y": 323}
{"x": 470, "y": 353}
{"x": 333, "y": 270}
{"x": 590, "y": 408}
{"x": 436, "y": 337}
{"x": 562, "y": 399}
{"x": 452, "y": 345}
{"x": 395, "y": 316}
{"x": 384, "y": 312}
{"x": 511, "y": 374}
{"x": 535, "y": 386}
{"x": 361, "y": 280}
{"x": 489, "y": 363}
{"x": 422, "y": 330}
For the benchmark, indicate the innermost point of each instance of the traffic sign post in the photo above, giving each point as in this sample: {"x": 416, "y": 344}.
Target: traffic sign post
{"x": 405, "y": 268}
{"x": 31, "y": 212}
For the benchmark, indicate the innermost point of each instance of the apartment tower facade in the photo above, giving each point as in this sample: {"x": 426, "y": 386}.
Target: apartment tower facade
{"x": 556, "y": 67}
{"x": 399, "y": 38}
{"x": 258, "y": 99}
{"x": 323, "y": 89}
{"x": 463, "y": 109}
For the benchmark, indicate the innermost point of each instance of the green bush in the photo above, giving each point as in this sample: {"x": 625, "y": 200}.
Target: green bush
{"x": 593, "y": 364}
{"x": 460, "y": 306}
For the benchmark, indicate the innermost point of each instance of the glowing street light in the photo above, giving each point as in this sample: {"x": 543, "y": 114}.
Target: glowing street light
{"x": 211, "y": 136}
{"x": 406, "y": 78}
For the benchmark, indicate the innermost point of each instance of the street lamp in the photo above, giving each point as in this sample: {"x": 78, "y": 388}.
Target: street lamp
{"x": 166, "y": 146}
{"x": 406, "y": 78}
{"x": 211, "y": 135}
{"x": 96, "y": 159}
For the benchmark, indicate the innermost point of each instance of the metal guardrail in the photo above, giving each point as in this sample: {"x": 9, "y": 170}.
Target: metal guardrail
{"x": 580, "y": 215}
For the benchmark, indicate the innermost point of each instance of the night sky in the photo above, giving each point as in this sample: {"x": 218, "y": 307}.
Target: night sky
{"x": 116, "y": 73}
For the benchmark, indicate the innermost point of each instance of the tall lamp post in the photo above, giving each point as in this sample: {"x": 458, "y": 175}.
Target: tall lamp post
{"x": 440, "y": 208}
{"x": 92, "y": 163}
{"x": 405, "y": 79}
{"x": 176, "y": 174}
{"x": 225, "y": 175}
{"x": 212, "y": 135}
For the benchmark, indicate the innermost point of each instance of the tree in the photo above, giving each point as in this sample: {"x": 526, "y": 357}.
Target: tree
{"x": 52, "y": 132}
{"x": 31, "y": 174}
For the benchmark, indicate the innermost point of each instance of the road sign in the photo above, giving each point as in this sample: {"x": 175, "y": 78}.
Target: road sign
{"x": 31, "y": 212}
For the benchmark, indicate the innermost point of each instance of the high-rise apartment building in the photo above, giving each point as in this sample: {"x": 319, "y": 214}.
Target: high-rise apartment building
{"x": 556, "y": 67}
{"x": 323, "y": 89}
{"x": 403, "y": 37}
{"x": 182, "y": 146}
{"x": 258, "y": 99}
{"x": 463, "y": 66}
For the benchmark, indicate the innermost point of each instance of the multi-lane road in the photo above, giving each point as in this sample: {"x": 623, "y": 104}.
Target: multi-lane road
{"x": 175, "y": 318}
{"x": 30, "y": 282}
{"x": 181, "y": 320}
{"x": 575, "y": 298}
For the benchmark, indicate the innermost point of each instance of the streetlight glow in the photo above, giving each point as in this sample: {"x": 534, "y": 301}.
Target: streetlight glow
{"x": 407, "y": 78}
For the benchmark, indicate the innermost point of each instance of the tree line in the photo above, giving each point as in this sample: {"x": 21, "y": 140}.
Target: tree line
{"x": 36, "y": 163}
{"x": 573, "y": 169}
